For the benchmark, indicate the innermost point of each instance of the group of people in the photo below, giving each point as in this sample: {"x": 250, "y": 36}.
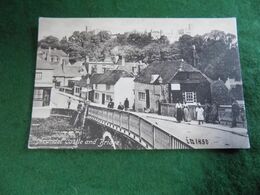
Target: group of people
{"x": 182, "y": 112}
{"x": 125, "y": 107}
{"x": 208, "y": 114}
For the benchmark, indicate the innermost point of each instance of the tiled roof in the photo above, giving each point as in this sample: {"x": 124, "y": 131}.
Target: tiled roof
{"x": 67, "y": 71}
{"x": 166, "y": 70}
{"x": 43, "y": 65}
{"x": 110, "y": 77}
{"x": 82, "y": 82}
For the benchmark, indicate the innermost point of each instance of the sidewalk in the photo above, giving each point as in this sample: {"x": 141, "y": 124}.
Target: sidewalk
{"x": 216, "y": 136}
{"x": 236, "y": 130}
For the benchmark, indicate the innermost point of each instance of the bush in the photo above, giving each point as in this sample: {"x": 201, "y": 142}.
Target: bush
{"x": 219, "y": 93}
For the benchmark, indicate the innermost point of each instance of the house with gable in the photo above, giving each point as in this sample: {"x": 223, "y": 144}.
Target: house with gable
{"x": 53, "y": 56}
{"x": 42, "y": 89}
{"x": 170, "y": 82}
{"x": 115, "y": 84}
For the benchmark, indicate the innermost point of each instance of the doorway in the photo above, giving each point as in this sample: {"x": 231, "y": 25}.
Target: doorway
{"x": 103, "y": 98}
{"x": 147, "y": 95}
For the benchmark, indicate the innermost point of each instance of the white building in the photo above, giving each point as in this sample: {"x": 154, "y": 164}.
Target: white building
{"x": 115, "y": 84}
{"x": 42, "y": 89}
{"x": 232, "y": 83}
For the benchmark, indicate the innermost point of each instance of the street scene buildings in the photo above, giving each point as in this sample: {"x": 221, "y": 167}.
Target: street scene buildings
{"x": 138, "y": 90}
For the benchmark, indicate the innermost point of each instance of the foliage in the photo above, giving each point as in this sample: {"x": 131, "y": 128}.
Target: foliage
{"x": 214, "y": 53}
{"x": 219, "y": 93}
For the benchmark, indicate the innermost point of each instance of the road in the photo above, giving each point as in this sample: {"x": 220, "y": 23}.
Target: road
{"x": 198, "y": 136}
{"x": 217, "y": 136}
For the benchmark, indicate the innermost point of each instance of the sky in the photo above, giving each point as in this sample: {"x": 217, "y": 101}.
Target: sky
{"x": 60, "y": 27}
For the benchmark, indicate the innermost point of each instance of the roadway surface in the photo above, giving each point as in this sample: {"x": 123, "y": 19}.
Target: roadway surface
{"x": 197, "y": 136}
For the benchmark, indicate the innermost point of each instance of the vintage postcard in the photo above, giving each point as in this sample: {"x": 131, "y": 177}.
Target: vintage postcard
{"x": 138, "y": 83}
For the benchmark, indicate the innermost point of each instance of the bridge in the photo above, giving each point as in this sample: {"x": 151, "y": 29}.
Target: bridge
{"x": 136, "y": 127}
{"x": 159, "y": 132}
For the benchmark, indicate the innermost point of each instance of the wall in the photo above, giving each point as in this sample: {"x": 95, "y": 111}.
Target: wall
{"x": 101, "y": 89}
{"x": 63, "y": 80}
{"x": 41, "y": 112}
{"x": 154, "y": 91}
{"x": 124, "y": 88}
{"x": 47, "y": 76}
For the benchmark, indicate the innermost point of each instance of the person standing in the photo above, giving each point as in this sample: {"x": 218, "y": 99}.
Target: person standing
{"x": 69, "y": 102}
{"x": 120, "y": 106}
{"x": 235, "y": 113}
{"x": 179, "y": 111}
{"x": 200, "y": 114}
{"x": 214, "y": 113}
{"x": 207, "y": 111}
{"x": 111, "y": 103}
{"x": 186, "y": 114}
{"x": 126, "y": 104}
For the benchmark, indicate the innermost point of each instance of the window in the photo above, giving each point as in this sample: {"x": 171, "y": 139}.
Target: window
{"x": 141, "y": 95}
{"x": 77, "y": 90}
{"x": 107, "y": 87}
{"x": 190, "y": 97}
{"x": 96, "y": 86}
{"x": 96, "y": 96}
{"x": 108, "y": 97}
{"x": 38, "y": 94}
{"x": 38, "y": 76}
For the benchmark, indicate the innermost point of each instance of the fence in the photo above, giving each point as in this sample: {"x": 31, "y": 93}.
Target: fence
{"x": 170, "y": 110}
{"x": 141, "y": 129}
{"x": 225, "y": 115}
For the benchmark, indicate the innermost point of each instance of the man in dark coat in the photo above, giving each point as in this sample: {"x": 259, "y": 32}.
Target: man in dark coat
{"x": 111, "y": 104}
{"x": 126, "y": 104}
{"x": 235, "y": 113}
{"x": 207, "y": 111}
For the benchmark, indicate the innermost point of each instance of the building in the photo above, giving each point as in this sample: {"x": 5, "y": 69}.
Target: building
{"x": 82, "y": 88}
{"x": 115, "y": 84}
{"x": 53, "y": 56}
{"x": 42, "y": 89}
{"x": 62, "y": 74}
{"x": 133, "y": 67}
{"x": 111, "y": 63}
{"x": 235, "y": 88}
{"x": 63, "y": 71}
{"x": 170, "y": 82}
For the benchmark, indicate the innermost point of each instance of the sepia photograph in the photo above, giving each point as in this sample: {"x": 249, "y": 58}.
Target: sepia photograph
{"x": 138, "y": 83}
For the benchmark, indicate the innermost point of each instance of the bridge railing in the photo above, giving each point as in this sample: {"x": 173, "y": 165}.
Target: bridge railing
{"x": 144, "y": 130}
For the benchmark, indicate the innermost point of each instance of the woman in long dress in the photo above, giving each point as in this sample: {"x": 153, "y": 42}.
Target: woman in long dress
{"x": 200, "y": 114}
{"x": 179, "y": 112}
{"x": 187, "y": 117}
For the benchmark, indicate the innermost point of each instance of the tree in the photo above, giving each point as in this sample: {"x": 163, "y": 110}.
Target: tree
{"x": 49, "y": 41}
{"x": 64, "y": 44}
{"x": 139, "y": 39}
{"x": 219, "y": 93}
